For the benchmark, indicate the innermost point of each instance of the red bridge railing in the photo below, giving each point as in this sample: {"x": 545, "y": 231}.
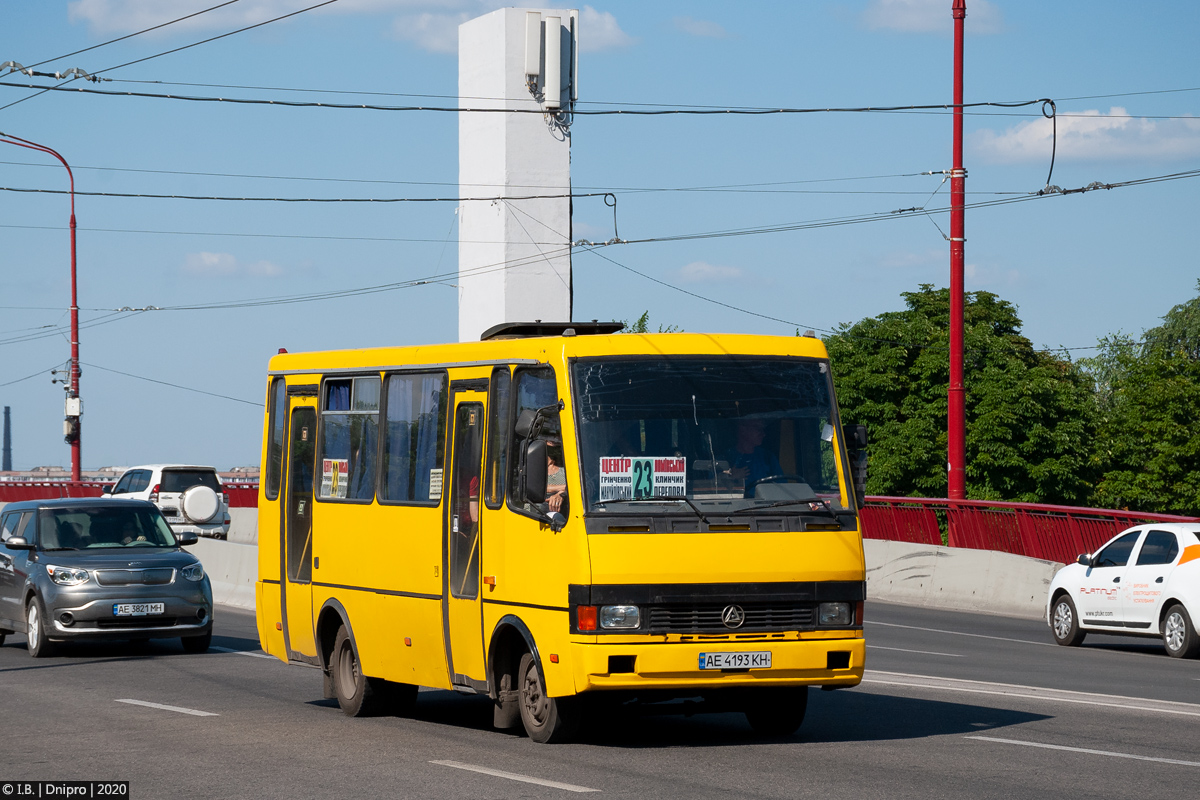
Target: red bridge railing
{"x": 241, "y": 495}
{"x": 1053, "y": 533}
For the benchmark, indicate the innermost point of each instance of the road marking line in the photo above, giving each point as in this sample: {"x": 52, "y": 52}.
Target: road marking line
{"x": 512, "y": 776}
{"x": 959, "y": 633}
{"x": 1030, "y": 693}
{"x": 922, "y": 652}
{"x": 241, "y": 652}
{"x": 1087, "y": 750}
{"x": 176, "y": 709}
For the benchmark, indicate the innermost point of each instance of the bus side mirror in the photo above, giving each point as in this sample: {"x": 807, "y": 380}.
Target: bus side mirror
{"x": 855, "y": 439}
{"x": 534, "y": 474}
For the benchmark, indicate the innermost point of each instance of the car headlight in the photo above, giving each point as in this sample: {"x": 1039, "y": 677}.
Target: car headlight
{"x": 193, "y": 572}
{"x": 620, "y": 617}
{"x": 66, "y": 576}
{"x": 834, "y": 614}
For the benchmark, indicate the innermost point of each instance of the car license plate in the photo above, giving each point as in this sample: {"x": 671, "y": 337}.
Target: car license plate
{"x": 757, "y": 660}
{"x": 137, "y": 609}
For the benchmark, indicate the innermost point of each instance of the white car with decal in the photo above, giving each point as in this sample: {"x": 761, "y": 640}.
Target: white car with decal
{"x": 1144, "y": 582}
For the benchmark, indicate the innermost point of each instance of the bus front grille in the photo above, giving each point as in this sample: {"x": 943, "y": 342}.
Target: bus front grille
{"x": 707, "y": 618}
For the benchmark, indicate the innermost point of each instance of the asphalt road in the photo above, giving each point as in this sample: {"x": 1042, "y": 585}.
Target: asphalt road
{"x": 954, "y": 705}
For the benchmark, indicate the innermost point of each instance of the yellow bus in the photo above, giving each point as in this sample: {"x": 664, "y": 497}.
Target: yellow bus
{"x": 562, "y": 516}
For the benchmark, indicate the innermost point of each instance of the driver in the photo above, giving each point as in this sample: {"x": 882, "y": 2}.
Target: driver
{"x": 749, "y": 461}
{"x": 130, "y": 532}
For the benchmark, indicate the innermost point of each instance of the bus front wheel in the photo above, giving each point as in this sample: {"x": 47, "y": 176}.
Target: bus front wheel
{"x": 355, "y": 692}
{"x": 547, "y": 720}
{"x": 777, "y": 712}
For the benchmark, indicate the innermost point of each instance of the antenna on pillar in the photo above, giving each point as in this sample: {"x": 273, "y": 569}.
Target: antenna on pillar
{"x": 514, "y": 256}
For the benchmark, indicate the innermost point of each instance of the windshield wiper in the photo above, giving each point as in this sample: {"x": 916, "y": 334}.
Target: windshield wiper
{"x": 57, "y": 549}
{"x": 657, "y": 498}
{"x": 826, "y": 509}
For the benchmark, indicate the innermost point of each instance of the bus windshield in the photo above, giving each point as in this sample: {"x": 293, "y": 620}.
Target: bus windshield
{"x": 730, "y": 435}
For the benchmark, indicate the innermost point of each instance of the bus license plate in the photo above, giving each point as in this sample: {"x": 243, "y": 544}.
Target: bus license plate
{"x": 759, "y": 660}
{"x": 137, "y": 609}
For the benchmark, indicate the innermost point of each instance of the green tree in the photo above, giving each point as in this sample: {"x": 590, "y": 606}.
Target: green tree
{"x": 1030, "y": 415}
{"x": 642, "y": 325}
{"x": 1148, "y": 394}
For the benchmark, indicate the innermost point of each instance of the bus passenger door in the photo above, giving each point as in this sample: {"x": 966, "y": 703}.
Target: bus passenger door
{"x": 461, "y": 552}
{"x": 295, "y": 549}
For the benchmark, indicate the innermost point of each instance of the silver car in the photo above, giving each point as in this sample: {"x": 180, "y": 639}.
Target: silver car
{"x": 99, "y": 569}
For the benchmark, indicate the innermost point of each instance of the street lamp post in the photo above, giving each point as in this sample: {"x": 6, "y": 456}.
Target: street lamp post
{"x": 74, "y": 404}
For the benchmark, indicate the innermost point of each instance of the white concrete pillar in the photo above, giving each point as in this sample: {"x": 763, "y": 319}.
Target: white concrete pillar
{"x": 514, "y": 257}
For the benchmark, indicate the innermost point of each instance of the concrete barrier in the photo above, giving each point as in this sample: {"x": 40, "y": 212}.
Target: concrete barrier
{"x": 232, "y": 569}
{"x": 958, "y": 579}
{"x": 955, "y": 579}
{"x": 243, "y": 525}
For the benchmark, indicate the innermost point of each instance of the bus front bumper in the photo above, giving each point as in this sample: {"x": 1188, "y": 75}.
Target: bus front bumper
{"x": 676, "y": 665}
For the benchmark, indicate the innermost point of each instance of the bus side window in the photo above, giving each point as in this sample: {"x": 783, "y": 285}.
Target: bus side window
{"x": 278, "y": 417}
{"x": 499, "y": 424}
{"x": 414, "y": 435}
{"x": 534, "y": 388}
{"x": 349, "y": 438}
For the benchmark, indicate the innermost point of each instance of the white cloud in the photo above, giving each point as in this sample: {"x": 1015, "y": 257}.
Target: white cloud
{"x": 125, "y": 16}
{"x": 430, "y": 24}
{"x": 702, "y": 271}
{"x": 599, "y": 31}
{"x": 432, "y": 31}
{"x": 1092, "y": 135}
{"x": 699, "y": 27}
{"x": 909, "y": 260}
{"x": 226, "y": 265}
{"x": 977, "y": 277}
{"x": 930, "y": 16}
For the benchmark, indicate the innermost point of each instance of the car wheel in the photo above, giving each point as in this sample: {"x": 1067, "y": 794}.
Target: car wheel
{"x": 1064, "y": 622}
{"x": 357, "y": 695}
{"x": 547, "y": 720}
{"x": 1179, "y": 634}
{"x": 197, "y": 644}
{"x": 778, "y": 712}
{"x": 35, "y": 630}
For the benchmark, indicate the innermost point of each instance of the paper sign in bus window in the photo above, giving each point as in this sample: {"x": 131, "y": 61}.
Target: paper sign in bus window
{"x": 335, "y": 474}
{"x": 623, "y": 477}
{"x": 435, "y": 484}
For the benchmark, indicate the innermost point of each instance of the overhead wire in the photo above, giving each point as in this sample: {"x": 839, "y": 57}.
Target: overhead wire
{"x": 173, "y": 385}
{"x": 135, "y": 33}
{"x": 215, "y": 38}
{"x": 730, "y": 111}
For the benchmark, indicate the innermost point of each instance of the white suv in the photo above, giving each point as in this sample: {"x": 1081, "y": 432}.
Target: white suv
{"x": 190, "y": 497}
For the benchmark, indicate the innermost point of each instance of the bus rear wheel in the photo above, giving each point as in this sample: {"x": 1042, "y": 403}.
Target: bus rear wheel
{"x": 547, "y": 720}
{"x": 777, "y": 712}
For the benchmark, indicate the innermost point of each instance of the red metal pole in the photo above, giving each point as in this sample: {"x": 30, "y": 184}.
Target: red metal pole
{"x": 73, "y": 392}
{"x": 957, "y": 427}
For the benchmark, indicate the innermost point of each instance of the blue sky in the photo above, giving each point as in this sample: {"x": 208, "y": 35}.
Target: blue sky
{"x": 1078, "y": 267}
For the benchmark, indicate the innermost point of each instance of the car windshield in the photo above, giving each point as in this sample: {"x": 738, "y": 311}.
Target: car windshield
{"x": 83, "y": 528}
{"x": 180, "y": 480}
{"x": 730, "y": 434}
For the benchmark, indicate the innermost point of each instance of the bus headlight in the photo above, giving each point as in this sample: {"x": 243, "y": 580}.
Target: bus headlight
{"x": 834, "y": 614}
{"x": 620, "y": 617}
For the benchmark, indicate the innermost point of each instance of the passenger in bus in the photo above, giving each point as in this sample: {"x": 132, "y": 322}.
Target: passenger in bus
{"x": 749, "y": 461}
{"x": 556, "y": 477}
